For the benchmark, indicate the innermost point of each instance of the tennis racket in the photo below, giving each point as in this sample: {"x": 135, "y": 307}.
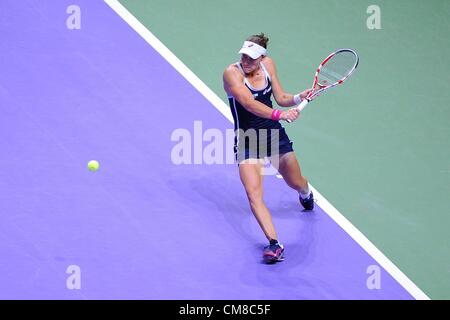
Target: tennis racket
{"x": 334, "y": 70}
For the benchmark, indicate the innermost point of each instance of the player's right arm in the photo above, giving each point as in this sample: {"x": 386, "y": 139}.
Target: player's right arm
{"x": 234, "y": 85}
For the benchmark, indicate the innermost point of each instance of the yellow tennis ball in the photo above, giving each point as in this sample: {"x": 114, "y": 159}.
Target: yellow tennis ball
{"x": 93, "y": 165}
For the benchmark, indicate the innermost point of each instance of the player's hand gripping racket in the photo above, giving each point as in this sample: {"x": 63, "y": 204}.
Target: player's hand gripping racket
{"x": 334, "y": 70}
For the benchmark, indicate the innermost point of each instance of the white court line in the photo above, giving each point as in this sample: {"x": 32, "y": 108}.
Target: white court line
{"x": 365, "y": 243}
{"x": 171, "y": 58}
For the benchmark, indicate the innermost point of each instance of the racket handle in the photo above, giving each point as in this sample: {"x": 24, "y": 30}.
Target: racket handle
{"x": 300, "y": 107}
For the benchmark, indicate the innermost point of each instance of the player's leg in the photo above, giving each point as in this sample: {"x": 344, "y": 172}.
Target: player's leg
{"x": 289, "y": 168}
{"x": 252, "y": 179}
{"x": 250, "y": 172}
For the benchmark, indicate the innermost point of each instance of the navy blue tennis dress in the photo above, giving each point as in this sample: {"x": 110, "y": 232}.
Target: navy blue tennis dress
{"x": 257, "y": 137}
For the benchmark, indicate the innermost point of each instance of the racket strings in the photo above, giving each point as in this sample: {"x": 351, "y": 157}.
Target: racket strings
{"x": 337, "y": 68}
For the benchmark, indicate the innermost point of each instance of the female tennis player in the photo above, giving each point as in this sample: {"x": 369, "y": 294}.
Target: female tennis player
{"x": 249, "y": 85}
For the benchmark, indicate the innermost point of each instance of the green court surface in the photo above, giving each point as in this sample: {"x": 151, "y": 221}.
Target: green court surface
{"x": 377, "y": 148}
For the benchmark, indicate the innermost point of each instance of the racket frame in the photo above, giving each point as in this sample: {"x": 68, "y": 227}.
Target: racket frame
{"x": 316, "y": 92}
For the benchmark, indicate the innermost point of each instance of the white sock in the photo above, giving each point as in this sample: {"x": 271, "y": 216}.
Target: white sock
{"x": 306, "y": 194}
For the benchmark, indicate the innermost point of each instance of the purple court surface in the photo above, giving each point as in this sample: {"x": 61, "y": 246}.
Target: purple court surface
{"x": 140, "y": 227}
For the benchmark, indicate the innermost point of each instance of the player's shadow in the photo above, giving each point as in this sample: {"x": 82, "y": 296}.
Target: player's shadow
{"x": 222, "y": 193}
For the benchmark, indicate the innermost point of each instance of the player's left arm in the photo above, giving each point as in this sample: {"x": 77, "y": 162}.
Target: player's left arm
{"x": 282, "y": 98}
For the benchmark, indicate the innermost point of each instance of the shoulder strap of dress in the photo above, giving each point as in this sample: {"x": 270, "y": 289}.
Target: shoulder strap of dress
{"x": 243, "y": 73}
{"x": 266, "y": 73}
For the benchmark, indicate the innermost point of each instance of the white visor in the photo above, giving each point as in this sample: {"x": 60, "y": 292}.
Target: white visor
{"x": 252, "y": 49}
